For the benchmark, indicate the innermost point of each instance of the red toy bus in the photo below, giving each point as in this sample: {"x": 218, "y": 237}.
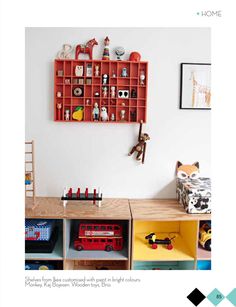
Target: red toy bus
{"x": 106, "y": 237}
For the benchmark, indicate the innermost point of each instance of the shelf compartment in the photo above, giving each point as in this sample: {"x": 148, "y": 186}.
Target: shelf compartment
{"x": 204, "y": 265}
{"x": 51, "y": 264}
{"x": 67, "y": 68}
{"x": 141, "y": 114}
{"x": 163, "y": 265}
{"x": 203, "y": 254}
{"x": 121, "y": 65}
{"x": 57, "y": 253}
{"x": 96, "y": 265}
{"x": 184, "y": 243}
{"x": 73, "y": 254}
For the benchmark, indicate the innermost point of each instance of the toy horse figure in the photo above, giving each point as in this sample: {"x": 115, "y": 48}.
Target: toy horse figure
{"x": 88, "y": 48}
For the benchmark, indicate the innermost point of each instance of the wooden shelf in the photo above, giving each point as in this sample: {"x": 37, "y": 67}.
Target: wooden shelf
{"x": 67, "y": 101}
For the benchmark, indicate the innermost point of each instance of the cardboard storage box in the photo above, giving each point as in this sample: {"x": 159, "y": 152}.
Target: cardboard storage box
{"x": 194, "y": 195}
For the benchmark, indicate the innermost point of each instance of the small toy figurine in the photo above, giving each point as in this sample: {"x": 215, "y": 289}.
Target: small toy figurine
{"x": 78, "y": 113}
{"x": 122, "y": 115}
{"x": 113, "y": 74}
{"x": 59, "y": 94}
{"x": 95, "y": 112}
{"x": 142, "y": 77}
{"x": 88, "y": 102}
{"x": 105, "y": 79}
{"x": 106, "y": 53}
{"x": 124, "y": 72}
{"x": 65, "y": 52}
{"x": 113, "y": 91}
{"x": 103, "y": 114}
{"x": 135, "y": 56}
{"x": 140, "y": 148}
{"x": 87, "y": 48}
{"x": 59, "y": 107}
{"x": 96, "y": 94}
{"x": 104, "y": 91}
{"x": 67, "y": 114}
{"x": 28, "y": 179}
{"x": 153, "y": 241}
{"x": 97, "y": 72}
{"x": 113, "y": 117}
{"x": 79, "y": 70}
{"x": 133, "y": 93}
{"x": 119, "y": 51}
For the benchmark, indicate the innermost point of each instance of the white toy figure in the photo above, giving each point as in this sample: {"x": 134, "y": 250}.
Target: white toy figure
{"x": 112, "y": 117}
{"x": 65, "y": 52}
{"x": 104, "y": 79}
{"x": 103, "y": 114}
{"x": 104, "y": 91}
{"x": 122, "y": 115}
{"x": 142, "y": 77}
{"x": 97, "y": 71}
{"x": 113, "y": 91}
{"x": 95, "y": 112}
{"x": 67, "y": 114}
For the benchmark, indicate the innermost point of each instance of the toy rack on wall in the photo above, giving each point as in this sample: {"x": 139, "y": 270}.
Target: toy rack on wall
{"x": 29, "y": 171}
{"x": 91, "y": 85}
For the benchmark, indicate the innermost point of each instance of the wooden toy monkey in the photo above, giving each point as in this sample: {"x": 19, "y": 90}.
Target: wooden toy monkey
{"x": 140, "y": 148}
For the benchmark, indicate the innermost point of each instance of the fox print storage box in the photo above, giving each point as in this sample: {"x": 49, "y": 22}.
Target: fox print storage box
{"x": 195, "y": 195}
{"x": 38, "y": 230}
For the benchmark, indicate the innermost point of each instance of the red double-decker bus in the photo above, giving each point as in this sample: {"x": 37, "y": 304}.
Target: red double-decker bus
{"x": 106, "y": 237}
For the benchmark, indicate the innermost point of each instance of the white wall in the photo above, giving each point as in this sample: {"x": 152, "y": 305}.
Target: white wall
{"x": 86, "y": 154}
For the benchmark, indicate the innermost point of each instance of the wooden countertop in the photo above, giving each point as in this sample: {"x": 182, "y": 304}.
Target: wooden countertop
{"x": 162, "y": 209}
{"x": 52, "y": 207}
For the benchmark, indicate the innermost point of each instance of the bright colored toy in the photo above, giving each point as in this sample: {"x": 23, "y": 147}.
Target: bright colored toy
{"x": 135, "y": 56}
{"x": 28, "y": 178}
{"x": 38, "y": 230}
{"x": 78, "y": 114}
{"x": 86, "y": 196}
{"x": 106, "y": 237}
{"x": 87, "y": 48}
{"x": 106, "y": 52}
{"x": 205, "y": 236}
{"x": 154, "y": 242}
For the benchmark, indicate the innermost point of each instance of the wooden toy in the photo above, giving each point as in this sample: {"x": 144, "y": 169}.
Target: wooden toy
{"x": 65, "y": 52}
{"x": 119, "y": 51}
{"x": 30, "y": 190}
{"x": 127, "y": 89}
{"x": 154, "y": 242}
{"x": 86, "y": 196}
{"x": 106, "y": 52}
{"x": 135, "y": 56}
{"x": 86, "y": 49}
{"x": 140, "y": 148}
{"x": 103, "y": 114}
{"x": 78, "y": 114}
{"x": 107, "y": 237}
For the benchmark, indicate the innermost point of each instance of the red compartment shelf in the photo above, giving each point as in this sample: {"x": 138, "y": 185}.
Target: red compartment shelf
{"x": 79, "y": 84}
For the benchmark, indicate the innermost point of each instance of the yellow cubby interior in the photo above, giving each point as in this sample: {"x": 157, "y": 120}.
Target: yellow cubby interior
{"x": 184, "y": 243}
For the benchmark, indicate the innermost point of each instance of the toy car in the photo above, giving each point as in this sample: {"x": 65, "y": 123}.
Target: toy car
{"x": 154, "y": 242}
{"x": 205, "y": 236}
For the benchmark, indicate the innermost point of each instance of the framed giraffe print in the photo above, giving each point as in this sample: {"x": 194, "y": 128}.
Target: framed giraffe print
{"x": 195, "y": 86}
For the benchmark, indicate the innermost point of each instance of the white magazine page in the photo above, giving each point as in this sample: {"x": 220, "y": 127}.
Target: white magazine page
{"x": 120, "y": 117}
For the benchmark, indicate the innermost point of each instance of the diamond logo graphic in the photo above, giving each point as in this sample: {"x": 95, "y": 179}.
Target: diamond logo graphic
{"x": 196, "y": 297}
{"x": 232, "y": 297}
{"x": 215, "y": 297}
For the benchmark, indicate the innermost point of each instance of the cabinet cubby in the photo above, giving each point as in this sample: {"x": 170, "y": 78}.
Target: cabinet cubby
{"x": 70, "y": 74}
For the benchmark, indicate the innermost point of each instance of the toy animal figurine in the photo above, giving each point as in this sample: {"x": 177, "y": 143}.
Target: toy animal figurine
{"x": 95, "y": 112}
{"x": 65, "y": 52}
{"x": 186, "y": 171}
{"x": 106, "y": 52}
{"x": 67, "y": 114}
{"x": 59, "y": 107}
{"x": 153, "y": 241}
{"x": 103, "y": 114}
{"x": 87, "y": 48}
{"x": 140, "y": 148}
{"x": 124, "y": 72}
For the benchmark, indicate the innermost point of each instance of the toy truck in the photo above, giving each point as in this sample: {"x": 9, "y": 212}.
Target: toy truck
{"x": 205, "y": 236}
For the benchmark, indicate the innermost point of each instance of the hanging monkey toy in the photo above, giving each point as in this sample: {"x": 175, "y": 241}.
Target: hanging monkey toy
{"x": 140, "y": 148}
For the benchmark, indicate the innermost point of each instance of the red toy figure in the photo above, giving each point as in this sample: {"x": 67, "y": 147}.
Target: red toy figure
{"x": 86, "y": 192}
{"x": 78, "y": 193}
{"x": 94, "y": 196}
{"x": 70, "y": 193}
{"x": 88, "y": 48}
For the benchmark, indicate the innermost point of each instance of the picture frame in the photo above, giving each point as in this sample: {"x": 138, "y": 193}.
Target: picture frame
{"x": 195, "y": 86}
